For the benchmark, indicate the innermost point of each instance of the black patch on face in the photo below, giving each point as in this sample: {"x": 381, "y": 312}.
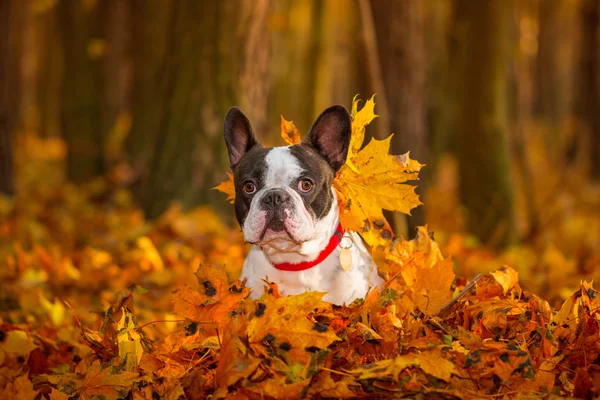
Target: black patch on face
{"x": 318, "y": 200}
{"x": 251, "y": 167}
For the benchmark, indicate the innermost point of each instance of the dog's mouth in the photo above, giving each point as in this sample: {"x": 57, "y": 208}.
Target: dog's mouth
{"x": 278, "y": 228}
{"x": 276, "y": 234}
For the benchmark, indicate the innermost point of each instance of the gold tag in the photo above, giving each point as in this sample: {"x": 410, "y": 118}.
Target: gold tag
{"x": 346, "y": 259}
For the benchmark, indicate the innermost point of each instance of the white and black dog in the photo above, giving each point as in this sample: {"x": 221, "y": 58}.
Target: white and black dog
{"x": 289, "y": 212}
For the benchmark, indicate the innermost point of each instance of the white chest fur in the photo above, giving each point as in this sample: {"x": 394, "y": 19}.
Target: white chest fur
{"x": 342, "y": 287}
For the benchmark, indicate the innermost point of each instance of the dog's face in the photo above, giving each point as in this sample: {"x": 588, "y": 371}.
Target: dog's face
{"x": 282, "y": 192}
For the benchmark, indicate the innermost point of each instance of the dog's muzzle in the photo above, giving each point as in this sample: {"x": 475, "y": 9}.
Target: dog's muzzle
{"x": 278, "y": 205}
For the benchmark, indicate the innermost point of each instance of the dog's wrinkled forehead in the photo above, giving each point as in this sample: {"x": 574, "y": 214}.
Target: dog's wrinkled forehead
{"x": 283, "y": 168}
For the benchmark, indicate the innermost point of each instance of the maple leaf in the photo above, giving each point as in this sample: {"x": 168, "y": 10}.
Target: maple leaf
{"x": 129, "y": 341}
{"x": 227, "y": 187}
{"x": 289, "y": 132}
{"x": 216, "y": 299}
{"x": 97, "y": 381}
{"x": 280, "y": 388}
{"x": 373, "y": 180}
{"x": 284, "y": 320}
{"x": 425, "y": 273}
{"x": 20, "y": 388}
{"x": 326, "y": 386}
{"x": 235, "y": 361}
{"x": 56, "y": 309}
{"x": 429, "y": 362}
{"x": 507, "y": 277}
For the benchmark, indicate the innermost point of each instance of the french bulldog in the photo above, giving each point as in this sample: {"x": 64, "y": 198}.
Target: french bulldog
{"x": 288, "y": 211}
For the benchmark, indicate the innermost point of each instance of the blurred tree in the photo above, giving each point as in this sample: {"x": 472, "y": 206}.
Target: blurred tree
{"x": 589, "y": 89}
{"x": 192, "y": 61}
{"x": 49, "y": 71}
{"x": 116, "y": 15}
{"x": 438, "y": 20}
{"x": 548, "y": 103}
{"x": 337, "y": 72}
{"x": 314, "y": 59}
{"x": 401, "y": 48}
{"x": 485, "y": 186}
{"x": 81, "y": 118}
{"x": 294, "y": 43}
{"x": 10, "y": 44}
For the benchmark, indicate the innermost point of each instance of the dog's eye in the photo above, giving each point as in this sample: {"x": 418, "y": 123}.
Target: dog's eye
{"x": 249, "y": 187}
{"x": 305, "y": 185}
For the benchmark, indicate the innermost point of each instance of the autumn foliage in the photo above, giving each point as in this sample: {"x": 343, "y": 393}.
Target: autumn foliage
{"x": 98, "y": 303}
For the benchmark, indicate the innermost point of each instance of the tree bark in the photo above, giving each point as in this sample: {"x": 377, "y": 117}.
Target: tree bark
{"x": 485, "y": 189}
{"x": 117, "y": 63}
{"x": 401, "y": 46}
{"x": 336, "y": 67}
{"x": 294, "y": 44}
{"x": 192, "y": 61}
{"x": 10, "y": 51}
{"x": 589, "y": 90}
{"x": 81, "y": 116}
{"x": 547, "y": 100}
{"x": 49, "y": 72}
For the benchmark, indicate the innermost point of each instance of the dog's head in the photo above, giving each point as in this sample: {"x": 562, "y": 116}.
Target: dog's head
{"x": 283, "y": 192}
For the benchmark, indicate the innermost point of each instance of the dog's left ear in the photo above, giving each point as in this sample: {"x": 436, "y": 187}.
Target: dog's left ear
{"x": 330, "y": 135}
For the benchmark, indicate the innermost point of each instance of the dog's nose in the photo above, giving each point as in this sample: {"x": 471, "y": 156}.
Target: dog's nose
{"x": 275, "y": 197}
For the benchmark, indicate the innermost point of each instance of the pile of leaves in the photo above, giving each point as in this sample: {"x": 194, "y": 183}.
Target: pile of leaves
{"x": 97, "y": 303}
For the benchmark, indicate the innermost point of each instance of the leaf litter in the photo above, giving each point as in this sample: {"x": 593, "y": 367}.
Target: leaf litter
{"x": 98, "y": 303}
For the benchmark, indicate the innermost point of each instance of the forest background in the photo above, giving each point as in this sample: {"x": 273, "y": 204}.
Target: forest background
{"x": 499, "y": 98}
{"x": 111, "y": 117}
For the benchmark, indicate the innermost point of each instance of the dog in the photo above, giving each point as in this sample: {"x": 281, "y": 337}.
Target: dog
{"x": 288, "y": 210}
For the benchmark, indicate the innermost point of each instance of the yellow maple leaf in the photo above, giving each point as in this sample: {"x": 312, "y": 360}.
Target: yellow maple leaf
{"x": 215, "y": 300}
{"x": 426, "y": 275}
{"x": 55, "y": 310}
{"x": 285, "y": 321}
{"x": 289, "y": 132}
{"x": 373, "y": 180}
{"x": 20, "y": 388}
{"x": 129, "y": 341}
{"x": 227, "y": 187}
{"x": 506, "y": 277}
{"x": 432, "y": 363}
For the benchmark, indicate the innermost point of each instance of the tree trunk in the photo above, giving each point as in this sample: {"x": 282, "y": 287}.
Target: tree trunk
{"x": 294, "y": 43}
{"x": 315, "y": 59}
{"x": 438, "y": 21}
{"x": 191, "y": 60}
{"x": 401, "y": 46}
{"x": 589, "y": 90}
{"x": 547, "y": 100}
{"x": 49, "y": 72}
{"x": 117, "y": 65}
{"x": 485, "y": 189}
{"x": 81, "y": 117}
{"x": 336, "y": 67}
{"x": 10, "y": 51}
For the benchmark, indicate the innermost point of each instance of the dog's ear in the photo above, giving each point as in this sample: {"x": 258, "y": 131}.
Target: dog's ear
{"x": 330, "y": 135}
{"x": 239, "y": 136}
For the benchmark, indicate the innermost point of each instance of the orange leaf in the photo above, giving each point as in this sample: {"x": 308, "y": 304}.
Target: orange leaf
{"x": 289, "y": 132}
{"x": 227, "y": 187}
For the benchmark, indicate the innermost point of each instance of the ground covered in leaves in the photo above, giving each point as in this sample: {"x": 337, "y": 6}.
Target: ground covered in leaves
{"x": 97, "y": 303}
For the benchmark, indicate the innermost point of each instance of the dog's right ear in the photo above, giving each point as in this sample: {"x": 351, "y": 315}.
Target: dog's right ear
{"x": 239, "y": 137}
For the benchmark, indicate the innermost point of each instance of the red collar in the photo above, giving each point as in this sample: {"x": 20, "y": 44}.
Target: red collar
{"x": 333, "y": 242}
